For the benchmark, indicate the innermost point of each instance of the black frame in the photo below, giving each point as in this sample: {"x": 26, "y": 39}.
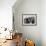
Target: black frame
{"x": 26, "y": 15}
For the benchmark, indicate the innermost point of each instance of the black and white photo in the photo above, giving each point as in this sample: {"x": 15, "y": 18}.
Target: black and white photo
{"x": 29, "y": 19}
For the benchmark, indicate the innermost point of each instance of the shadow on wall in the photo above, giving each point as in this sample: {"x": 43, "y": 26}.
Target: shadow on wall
{"x": 28, "y": 6}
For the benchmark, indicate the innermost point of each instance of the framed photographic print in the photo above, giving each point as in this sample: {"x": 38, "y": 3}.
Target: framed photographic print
{"x": 29, "y": 19}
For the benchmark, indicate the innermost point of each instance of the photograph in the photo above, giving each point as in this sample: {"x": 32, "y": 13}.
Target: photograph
{"x": 29, "y": 19}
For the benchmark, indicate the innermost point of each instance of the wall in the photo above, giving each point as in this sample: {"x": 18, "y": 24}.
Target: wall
{"x": 6, "y": 13}
{"x": 43, "y": 22}
{"x": 28, "y": 7}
